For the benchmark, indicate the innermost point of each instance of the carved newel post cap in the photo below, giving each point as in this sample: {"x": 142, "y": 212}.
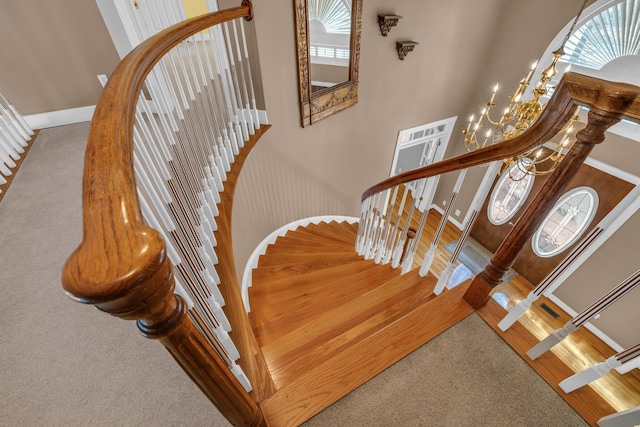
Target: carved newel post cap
{"x": 386, "y": 22}
{"x": 404, "y": 47}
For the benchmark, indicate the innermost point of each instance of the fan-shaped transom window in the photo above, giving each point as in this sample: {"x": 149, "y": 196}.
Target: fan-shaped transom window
{"x": 335, "y": 15}
{"x": 509, "y": 194}
{"x": 611, "y": 34}
{"x": 566, "y": 222}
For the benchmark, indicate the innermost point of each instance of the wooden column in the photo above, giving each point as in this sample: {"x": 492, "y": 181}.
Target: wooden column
{"x": 598, "y": 122}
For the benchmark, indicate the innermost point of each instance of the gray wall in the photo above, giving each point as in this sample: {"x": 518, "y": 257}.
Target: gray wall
{"x": 51, "y": 53}
{"x": 449, "y": 74}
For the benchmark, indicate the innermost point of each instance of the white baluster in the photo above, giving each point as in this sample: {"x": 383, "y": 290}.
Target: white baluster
{"x": 517, "y": 311}
{"x": 587, "y": 314}
{"x": 590, "y": 374}
{"x": 430, "y": 255}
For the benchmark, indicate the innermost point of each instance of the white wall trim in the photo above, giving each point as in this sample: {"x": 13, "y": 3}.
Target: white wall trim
{"x": 613, "y": 171}
{"x": 261, "y": 249}
{"x": 60, "y": 118}
{"x": 79, "y": 115}
{"x": 452, "y": 220}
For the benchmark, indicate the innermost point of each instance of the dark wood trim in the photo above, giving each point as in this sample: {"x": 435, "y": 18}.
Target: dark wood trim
{"x": 14, "y": 171}
{"x": 544, "y": 201}
{"x": 252, "y": 360}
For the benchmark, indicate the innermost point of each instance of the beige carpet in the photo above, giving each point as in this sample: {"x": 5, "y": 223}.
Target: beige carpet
{"x": 65, "y": 364}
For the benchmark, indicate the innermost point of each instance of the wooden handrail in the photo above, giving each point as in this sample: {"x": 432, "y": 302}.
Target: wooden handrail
{"x": 607, "y": 102}
{"x": 121, "y": 265}
{"x": 572, "y": 91}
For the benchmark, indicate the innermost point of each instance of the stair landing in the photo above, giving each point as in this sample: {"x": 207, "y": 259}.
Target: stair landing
{"x": 327, "y": 320}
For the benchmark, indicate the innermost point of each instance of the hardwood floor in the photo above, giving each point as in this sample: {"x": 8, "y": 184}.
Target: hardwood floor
{"x": 327, "y": 321}
{"x": 320, "y": 312}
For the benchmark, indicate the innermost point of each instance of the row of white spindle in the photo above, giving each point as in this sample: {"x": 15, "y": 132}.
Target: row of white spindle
{"x": 194, "y": 115}
{"x": 381, "y": 237}
{"x": 15, "y": 135}
{"x": 383, "y": 232}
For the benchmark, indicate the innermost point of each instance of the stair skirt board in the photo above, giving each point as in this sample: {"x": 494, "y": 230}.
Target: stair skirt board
{"x": 252, "y": 263}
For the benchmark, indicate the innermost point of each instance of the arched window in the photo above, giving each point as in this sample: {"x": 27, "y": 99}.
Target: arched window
{"x": 608, "y": 34}
{"x": 509, "y": 195}
{"x": 335, "y": 15}
{"x": 566, "y": 222}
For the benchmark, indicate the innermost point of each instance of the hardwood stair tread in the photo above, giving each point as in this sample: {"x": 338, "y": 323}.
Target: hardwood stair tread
{"x": 298, "y": 240}
{"x": 324, "y": 336}
{"x": 312, "y": 263}
{"x": 285, "y": 248}
{"x": 269, "y": 323}
{"x": 324, "y": 233}
{"x": 327, "y": 320}
{"x": 303, "y": 295}
{"x": 271, "y": 260}
{"x": 321, "y": 386}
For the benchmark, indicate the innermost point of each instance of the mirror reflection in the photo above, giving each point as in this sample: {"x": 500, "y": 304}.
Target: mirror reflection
{"x": 329, "y": 27}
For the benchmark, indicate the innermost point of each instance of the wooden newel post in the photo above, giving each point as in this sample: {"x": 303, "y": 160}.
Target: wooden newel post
{"x": 140, "y": 288}
{"x": 598, "y": 122}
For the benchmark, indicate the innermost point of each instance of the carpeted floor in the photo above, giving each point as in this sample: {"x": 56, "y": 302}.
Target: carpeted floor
{"x": 65, "y": 364}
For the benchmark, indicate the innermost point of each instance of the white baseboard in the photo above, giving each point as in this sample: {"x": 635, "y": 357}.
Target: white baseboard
{"x": 597, "y": 332}
{"x": 452, "y": 220}
{"x": 60, "y": 118}
{"x": 79, "y": 115}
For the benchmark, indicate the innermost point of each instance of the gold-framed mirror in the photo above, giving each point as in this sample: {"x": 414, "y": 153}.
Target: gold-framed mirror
{"x": 328, "y": 45}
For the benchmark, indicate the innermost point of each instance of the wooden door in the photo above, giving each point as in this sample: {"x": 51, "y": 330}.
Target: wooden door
{"x": 611, "y": 190}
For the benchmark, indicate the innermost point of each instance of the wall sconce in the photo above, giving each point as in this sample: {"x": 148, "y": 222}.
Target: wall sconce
{"x": 386, "y": 22}
{"x": 404, "y": 47}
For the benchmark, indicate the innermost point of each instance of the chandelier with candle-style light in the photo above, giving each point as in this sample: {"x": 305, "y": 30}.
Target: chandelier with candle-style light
{"x": 519, "y": 115}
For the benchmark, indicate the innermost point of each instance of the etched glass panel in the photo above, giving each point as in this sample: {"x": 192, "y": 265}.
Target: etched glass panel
{"x": 509, "y": 195}
{"x": 569, "y": 218}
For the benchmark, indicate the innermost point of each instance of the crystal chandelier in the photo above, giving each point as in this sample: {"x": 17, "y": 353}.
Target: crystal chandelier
{"x": 519, "y": 115}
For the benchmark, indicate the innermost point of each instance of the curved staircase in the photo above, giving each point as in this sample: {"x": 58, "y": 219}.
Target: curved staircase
{"x": 320, "y": 311}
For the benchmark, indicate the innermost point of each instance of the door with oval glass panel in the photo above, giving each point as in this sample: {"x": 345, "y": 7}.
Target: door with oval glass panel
{"x": 588, "y": 198}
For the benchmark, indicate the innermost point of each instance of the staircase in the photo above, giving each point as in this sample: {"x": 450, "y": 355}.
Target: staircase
{"x": 327, "y": 320}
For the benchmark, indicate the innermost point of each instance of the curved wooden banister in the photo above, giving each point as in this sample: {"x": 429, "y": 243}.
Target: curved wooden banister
{"x": 121, "y": 265}
{"x": 573, "y": 90}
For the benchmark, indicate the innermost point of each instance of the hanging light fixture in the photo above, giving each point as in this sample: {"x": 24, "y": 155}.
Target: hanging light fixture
{"x": 519, "y": 115}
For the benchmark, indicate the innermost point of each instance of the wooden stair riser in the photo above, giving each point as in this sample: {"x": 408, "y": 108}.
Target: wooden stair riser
{"x": 282, "y": 271}
{"x": 276, "y": 260}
